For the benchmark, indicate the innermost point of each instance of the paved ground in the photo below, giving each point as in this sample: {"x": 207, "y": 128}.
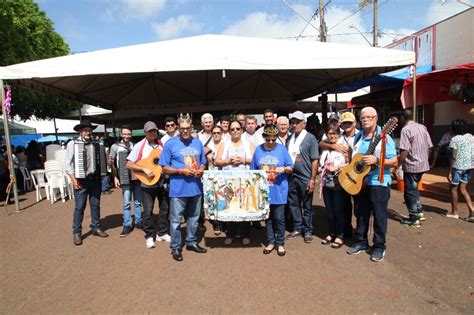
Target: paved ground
{"x": 426, "y": 270}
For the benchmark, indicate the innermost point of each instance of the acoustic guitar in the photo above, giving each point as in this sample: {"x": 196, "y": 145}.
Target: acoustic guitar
{"x": 352, "y": 175}
{"x": 151, "y": 163}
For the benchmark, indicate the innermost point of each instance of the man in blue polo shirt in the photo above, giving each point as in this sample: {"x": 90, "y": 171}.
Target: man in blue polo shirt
{"x": 183, "y": 159}
{"x": 373, "y": 199}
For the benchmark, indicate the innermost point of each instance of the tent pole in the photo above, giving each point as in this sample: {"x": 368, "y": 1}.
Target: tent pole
{"x": 414, "y": 92}
{"x": 55, "y": 129}
{"x": 9, "y": 149}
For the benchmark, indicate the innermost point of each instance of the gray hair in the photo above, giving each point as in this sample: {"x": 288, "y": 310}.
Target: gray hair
{"x": 207, "y": 116}
{"x": 370, "y": 110}
{"x": 282, "y": 119}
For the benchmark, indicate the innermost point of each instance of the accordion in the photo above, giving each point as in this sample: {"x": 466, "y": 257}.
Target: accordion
{"x": 99, "y": 164}
{"x": 124, "y": 174}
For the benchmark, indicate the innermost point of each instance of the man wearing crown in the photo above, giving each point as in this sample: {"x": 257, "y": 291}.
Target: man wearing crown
{"x": 373, "y": 199}
{"x": 184, "y": 161}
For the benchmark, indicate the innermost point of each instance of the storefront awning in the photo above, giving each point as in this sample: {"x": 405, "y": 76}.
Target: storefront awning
{"x": 438, "y": 86}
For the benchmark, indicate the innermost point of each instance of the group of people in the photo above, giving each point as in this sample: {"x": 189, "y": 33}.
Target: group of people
{"x": 237, "y": 144}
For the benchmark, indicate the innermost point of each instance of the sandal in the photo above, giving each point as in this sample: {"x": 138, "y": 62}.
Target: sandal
{"x": 327, "y": 240}
{"x": 267, "y": 251}
{"x": 245, "y": 241}
{"x": 280, "y": 252}
{"x": 469, "y": 219}
{"x": 228, "y": 241}
{"x": 337, "y": 245}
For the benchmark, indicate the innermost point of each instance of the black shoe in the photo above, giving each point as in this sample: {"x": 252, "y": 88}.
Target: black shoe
{"x": 126, "y": 230}
{"x": 308, "y": 238}
{"x": 139, "y": 226}
{"x": 99, "y": 233}
{"x": 293, "y": 235}
{"x": 357, "y": 248}
{"x": 177, "y": 254}
{"x": 77, "y": 239}
{"x": 196, "y": 248}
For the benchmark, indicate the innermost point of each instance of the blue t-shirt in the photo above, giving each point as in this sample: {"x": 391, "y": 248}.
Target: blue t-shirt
{"x": 180, "y": 154}
{"x": 372, "y": 179}
{"x": 266, "y": 160}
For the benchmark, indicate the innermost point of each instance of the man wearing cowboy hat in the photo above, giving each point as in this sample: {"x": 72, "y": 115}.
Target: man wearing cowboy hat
{"x": 90, "y": 186}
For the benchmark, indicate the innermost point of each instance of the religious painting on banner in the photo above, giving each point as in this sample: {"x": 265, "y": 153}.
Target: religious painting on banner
{"x": 238, "y": 195}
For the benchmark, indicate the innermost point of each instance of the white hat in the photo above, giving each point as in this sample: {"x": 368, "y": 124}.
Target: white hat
{"x": 298, "y": 115}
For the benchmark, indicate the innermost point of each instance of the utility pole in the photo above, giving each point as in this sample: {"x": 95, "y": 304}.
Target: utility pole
{"x": 322, "y": 24}
{"x": 376, "y": 32}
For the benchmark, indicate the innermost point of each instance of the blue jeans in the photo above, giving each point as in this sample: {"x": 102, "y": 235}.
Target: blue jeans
{"x": 411, "y": 193}
{"x": 372, "y": 200}
{"x": 190, "y": 208}
{"x": 334, "y": 202}
{"x": 91, "y": 188}
{"x": 105, "y": 183}
{"x": 275, "y": 225}
{"x": 297, "y": 195}
{"x": 127, "y": 192}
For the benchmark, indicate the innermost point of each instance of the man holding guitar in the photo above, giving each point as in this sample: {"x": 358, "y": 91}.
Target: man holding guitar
{"x": 143, "y": 160}
{"x": 373, "y": 199}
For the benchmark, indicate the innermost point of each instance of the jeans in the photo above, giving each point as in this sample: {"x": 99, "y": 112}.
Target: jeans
{"x": 411, "y": 193}
{"x": 334, "y": 202}
{"x": 105, "y": 183}
{"x": 190, "y": 208}
{"x": 127, "y": 192}
{"x": 372, "y": 200}
{"x": 91, "y": 188}
{"x": 234, "y": 227}
{"x": 297, "y": 195}
{"x": 148, "y": 197}
{"x": 275, "y": 225}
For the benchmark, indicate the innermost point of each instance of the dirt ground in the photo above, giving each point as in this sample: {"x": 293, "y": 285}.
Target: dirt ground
{"x": 426, "y": 270}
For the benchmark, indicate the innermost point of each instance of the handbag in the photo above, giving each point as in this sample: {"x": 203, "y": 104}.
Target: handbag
{"x": 331, "y": 181}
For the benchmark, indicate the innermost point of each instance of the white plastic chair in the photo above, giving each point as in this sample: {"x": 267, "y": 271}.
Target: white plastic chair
{"x": 60, "y": 155}
{"x": 50, "y": 149}
{"x": 27, "y": 183}
{"x": 56, "y": 181}
{"x": 39, "y": 182}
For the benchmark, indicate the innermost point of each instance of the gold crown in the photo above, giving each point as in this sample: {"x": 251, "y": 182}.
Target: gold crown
{"x": 270, "y": 130}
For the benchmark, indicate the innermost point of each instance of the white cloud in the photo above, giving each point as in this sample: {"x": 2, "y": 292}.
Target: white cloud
{"x": 440, "y": 10}
{"x": 262, "y": 24}
{"x": 133, "y": 9}
{"x": 174, "y": 27}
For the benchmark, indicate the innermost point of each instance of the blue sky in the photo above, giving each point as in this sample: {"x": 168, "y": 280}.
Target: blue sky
{"x": 89, "y": 25}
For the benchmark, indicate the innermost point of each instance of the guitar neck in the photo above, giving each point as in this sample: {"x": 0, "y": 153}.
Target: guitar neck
{"x": 373, "y": 145}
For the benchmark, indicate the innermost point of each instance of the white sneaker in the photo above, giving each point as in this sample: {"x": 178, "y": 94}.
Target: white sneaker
{"x": 163, "y": 238}
{"x": 150, "y": 243}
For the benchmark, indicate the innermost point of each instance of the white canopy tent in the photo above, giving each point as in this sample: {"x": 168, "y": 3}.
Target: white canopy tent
{"x": 202, "y": 72}
{"x": 89, "y": 110}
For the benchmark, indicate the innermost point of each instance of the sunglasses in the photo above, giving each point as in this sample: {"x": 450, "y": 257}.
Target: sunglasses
{"x": 169, "y": 125}
{"x": 235, "y": 129}
{"x": 216, "y": 133}
{"x": 270, "y": 140}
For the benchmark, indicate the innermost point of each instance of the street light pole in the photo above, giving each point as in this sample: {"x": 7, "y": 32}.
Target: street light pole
{"x": 376, "y": 35}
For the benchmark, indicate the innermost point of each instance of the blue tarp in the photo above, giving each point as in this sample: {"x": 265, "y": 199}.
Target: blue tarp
{"x": 52, "y": 138}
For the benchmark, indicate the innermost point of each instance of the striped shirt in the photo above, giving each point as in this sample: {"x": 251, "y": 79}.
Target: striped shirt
{"x": 416, "y": 140}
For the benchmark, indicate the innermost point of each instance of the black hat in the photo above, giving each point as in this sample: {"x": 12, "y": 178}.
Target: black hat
{"x": 84, "y": 124}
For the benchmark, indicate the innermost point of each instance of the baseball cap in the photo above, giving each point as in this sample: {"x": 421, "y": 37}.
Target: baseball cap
{"x": 149, "y": 125}
{"x": 348, "y": 116}
{"x": 298, "y": 115}
{"x": 333, "y": 117}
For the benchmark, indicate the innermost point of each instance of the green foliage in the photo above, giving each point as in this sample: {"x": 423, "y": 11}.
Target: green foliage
{"x": 26, "y": 35}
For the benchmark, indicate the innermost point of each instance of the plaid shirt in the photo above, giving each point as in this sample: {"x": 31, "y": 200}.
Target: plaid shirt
{"x": 416, "y": 140}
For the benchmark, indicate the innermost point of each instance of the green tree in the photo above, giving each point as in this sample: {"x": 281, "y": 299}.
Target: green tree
{"x": 26, "y": 35}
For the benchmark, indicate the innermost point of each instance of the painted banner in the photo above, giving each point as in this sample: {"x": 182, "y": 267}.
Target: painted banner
{"x": 236, "y": 195}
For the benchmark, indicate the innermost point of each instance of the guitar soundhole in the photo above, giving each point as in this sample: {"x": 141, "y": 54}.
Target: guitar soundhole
{"x": 156, "y": 161}
{"x": 359, "y": 167}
